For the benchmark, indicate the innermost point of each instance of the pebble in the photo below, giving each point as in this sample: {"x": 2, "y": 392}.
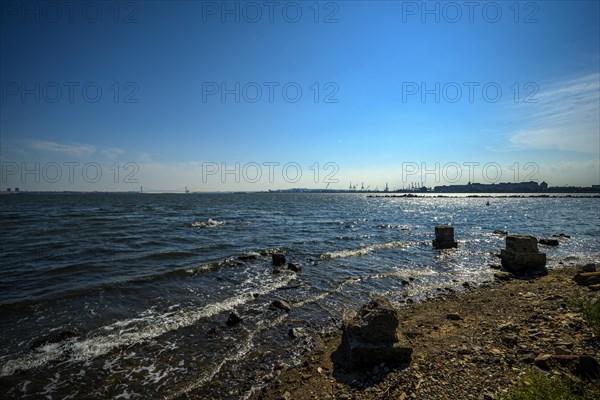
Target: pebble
{"x": 453, "y": 316}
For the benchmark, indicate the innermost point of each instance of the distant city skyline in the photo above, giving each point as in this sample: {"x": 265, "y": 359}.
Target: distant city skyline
{"x": 249, "y": 96}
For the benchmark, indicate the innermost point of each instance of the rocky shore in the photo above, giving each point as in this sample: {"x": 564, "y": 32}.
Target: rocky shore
{"x": 475, "y": 344}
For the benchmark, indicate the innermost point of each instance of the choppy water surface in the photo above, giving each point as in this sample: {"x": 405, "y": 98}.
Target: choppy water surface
{"x": 126, "y": 295}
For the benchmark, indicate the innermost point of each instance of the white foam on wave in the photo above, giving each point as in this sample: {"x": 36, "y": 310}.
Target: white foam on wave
{"x": 134, "y": 330}
{"x": 362, "y": 250}
{"x": 210, "y": 223}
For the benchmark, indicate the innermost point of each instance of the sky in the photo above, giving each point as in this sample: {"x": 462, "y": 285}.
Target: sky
{"x": 228, "y": 96}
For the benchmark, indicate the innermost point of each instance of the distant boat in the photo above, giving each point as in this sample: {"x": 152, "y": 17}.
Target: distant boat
{"x": 488, "y": 203}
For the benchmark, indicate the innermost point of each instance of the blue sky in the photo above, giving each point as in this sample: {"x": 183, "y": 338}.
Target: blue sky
{"x": 258, "y": 95}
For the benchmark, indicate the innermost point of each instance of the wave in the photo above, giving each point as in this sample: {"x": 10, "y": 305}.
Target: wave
{"x": 123, "y": 285}
{"x": 392, "y": 226}
{"x": 362, "y": 250}
{"x": 210, "y": 223}
{"x": 132, "y": 331}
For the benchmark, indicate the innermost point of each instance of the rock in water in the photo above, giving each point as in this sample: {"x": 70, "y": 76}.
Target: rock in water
{"x": 294, "y": 267}
{"x": 234, "y": 318}
{"x": 548, "y": 242}
{"x": 278, "y": 259}
{"x": 373, "y": 337}
{"x": 281, "y": 305}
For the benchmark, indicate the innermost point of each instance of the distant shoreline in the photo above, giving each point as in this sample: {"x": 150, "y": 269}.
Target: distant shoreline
{"x": 370, "y": 194}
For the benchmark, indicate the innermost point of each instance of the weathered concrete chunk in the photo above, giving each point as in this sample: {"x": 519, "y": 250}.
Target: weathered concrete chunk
{"x": 373, "y": 337}
{"x": 521, "y": 254}
{"x": 521, "y": 243}
{"x": 444, "y": 237}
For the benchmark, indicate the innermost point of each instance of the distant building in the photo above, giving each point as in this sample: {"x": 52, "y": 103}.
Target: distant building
{"x": 16, "y": 190}
{"x": 508, "y": 187}
{"x": 8, "y": 189}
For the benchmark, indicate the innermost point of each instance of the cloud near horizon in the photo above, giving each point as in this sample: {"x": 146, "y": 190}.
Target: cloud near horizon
{"x": 76, "y": 150}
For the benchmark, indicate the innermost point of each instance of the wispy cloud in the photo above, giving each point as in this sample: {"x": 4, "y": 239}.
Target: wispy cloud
{"x": 76, "y": 150}
{"x": 112, "y": 152}
{"x": 566, "y": 117}
{"x": 13, "y": 149}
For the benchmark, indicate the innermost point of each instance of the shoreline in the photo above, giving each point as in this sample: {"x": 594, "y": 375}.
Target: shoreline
{"x": 474, "y": 344}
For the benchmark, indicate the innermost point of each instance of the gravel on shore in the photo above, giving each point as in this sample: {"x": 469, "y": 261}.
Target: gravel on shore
{"x": 475, "y": 344}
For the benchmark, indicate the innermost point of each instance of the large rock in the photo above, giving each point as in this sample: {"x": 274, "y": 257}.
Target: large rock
{"x": 444, "y": 237}
{"x": 521, "y": 254}
{"x": 373, "y": 337}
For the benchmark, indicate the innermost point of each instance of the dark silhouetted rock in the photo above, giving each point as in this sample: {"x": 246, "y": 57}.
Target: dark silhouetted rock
{"x": 234, "y": 318}
{"x": 543, "y": 361}
{"x": 588, "y": 367}
{"x": 583, "y": 366}
{"x": 500, "y": 232}
{"x": 453, "y": 317}
{"x": 280, "y": 305}
{"x": 278, "y": 259}
{"x": 373, "y": 337}
{"x": 294, "y": 267}
{"x": 548, "y": 242}
{"x": 587, "y": 278}
{"x": 589, "y": 268}
{"x": 247, "y": 257}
